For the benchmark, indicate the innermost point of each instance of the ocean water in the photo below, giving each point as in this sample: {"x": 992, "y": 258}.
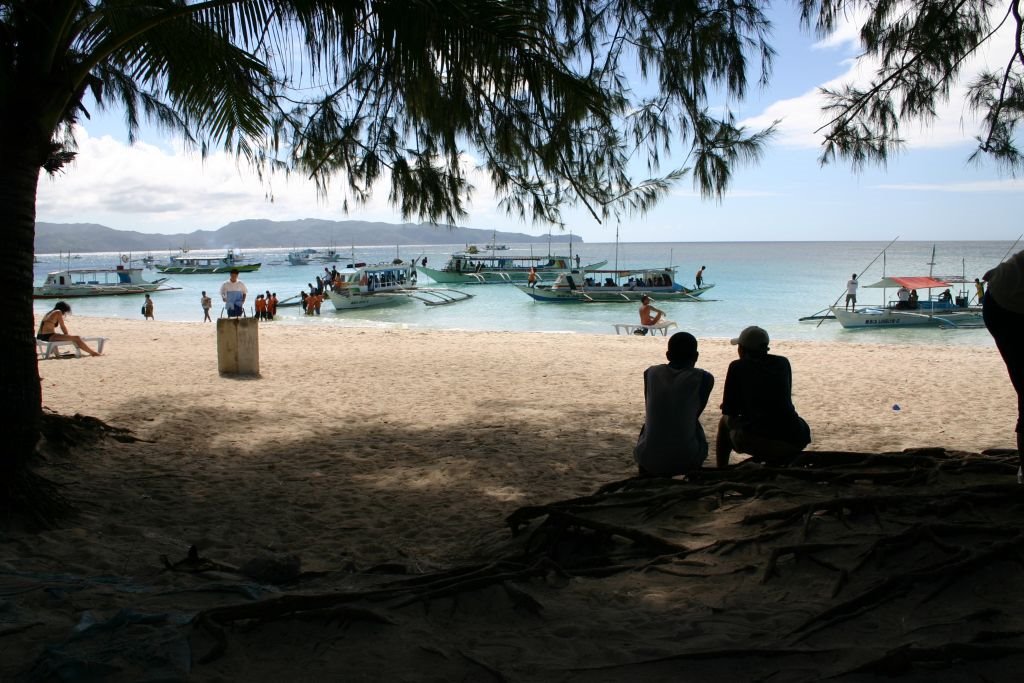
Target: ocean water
{"x": 771, "y": 284}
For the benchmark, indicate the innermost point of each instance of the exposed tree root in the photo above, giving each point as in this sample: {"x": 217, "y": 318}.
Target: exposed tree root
{"x": 889, "y": 549}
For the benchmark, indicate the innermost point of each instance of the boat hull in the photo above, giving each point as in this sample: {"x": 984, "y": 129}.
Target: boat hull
{"x": 73, "y": 291}
{"x": 497, "y": 277}
{"x": 208, "y": 270}
{"x": 359, "y": 301}
{"x": 876, "y": 318}
{"x": 609, "y": 295}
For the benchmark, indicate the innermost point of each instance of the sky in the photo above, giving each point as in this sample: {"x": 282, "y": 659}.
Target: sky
{"x": 928, "y": 192}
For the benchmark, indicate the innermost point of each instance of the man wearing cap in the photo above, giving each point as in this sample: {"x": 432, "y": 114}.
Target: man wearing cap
{"x": 233, "y": 293}
{"x": 758, "y": 417}
{"x": 672, "y": 440}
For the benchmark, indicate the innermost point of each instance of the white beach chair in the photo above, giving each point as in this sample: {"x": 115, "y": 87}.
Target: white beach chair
{"x": 51, "y": 349}
{"x": 631, "y": 328}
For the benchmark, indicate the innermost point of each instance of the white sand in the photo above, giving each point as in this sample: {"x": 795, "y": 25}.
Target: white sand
{"x": 366, "y": 446}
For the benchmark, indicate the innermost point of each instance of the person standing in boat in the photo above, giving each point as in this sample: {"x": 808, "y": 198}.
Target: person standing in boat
{"x": 233, "y": 293}
{"x": 55, "y": 319}
{"x": 851, "y": 291}
{"x": 207, "y": 303}
{"x": 979, "y": 288}
{"x": 699, "y": 277}
{"x": 531, "y": 279}
{"x": 758, "y": 417}
{"x": 903, "y": 296}
{"x": 672, "y": 440}
{"x": 1003, "y": 312}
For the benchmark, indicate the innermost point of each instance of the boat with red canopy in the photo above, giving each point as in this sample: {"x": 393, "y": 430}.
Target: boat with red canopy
{"x": 938, "y": 306}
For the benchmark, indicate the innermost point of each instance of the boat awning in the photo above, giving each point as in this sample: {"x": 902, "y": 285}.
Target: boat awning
{"x": 909, "y": 283}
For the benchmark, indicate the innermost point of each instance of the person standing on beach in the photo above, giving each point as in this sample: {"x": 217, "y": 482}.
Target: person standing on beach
{"x": 672, "y": 440}
{"x": 233, "y": 293}
{"x": 758, "y": 417}
{"x": 207, "y": 303}
{"x": 1003, "y": 311}
{"x": 851, "y": 291}
{"x": 699, "y": 277}
{"x": 147, "y": 308}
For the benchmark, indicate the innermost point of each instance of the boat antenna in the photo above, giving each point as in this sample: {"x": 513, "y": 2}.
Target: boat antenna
{"x": 1010, "y": 249}
{"x": 861, "y": 274}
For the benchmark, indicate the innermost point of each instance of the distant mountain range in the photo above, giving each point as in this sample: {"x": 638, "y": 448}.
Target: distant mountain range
{"x": 252, "y": 234}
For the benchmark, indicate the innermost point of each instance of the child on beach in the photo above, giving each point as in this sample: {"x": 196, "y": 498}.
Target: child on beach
{"x": 672, "y": 440}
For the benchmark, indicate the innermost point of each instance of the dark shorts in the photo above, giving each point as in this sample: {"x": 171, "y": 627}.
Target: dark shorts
{"x": 44, "y": 337}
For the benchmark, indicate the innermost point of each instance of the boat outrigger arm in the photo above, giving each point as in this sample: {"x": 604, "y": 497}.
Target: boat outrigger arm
{"x": 430, "y": 296}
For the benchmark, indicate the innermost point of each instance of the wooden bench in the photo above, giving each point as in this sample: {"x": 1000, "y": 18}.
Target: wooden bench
{"x": 630, "y": 328}
{"x": 51, "y": 349}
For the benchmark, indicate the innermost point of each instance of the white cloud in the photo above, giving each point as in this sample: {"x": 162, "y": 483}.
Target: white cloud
{"x": 153, "y": 189}
{"x": 1006, "y": 185}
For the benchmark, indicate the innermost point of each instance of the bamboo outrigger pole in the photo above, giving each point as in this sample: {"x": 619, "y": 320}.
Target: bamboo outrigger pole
{"x": 836, "y": 302}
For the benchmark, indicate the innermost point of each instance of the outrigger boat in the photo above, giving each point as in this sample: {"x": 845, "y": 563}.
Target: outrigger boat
{"x": 465, "y": 268}
{"x": 67, "y": 283}
{"x": 183, "y": 264}
{"x": 384, "y": 284}
{"x": 930, "y": 310}
{"x": 615, "y": 286}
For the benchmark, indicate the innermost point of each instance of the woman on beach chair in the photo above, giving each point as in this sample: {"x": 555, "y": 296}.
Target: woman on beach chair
{"x": 54, "y": 319}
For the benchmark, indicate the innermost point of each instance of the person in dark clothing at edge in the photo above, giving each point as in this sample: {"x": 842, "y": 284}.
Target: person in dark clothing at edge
{"x": 1003, "y": 311}
{"x": 758, "y": 417}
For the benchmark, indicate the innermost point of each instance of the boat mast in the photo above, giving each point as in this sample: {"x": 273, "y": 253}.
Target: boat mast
{"x": 882, "y": 254}
{"x": 616, "y": 246}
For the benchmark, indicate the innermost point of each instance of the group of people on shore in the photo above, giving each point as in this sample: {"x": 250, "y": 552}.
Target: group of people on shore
{"x": 758, "y": 416}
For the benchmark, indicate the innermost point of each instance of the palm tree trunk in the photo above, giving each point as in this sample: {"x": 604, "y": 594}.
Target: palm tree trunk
{"x": 20, "y": 393}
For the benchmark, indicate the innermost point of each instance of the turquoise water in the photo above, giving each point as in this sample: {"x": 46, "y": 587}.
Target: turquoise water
{"x": 771, "y": 284}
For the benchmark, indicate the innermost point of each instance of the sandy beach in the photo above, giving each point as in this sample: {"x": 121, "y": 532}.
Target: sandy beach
{"x": 364, "y": 452}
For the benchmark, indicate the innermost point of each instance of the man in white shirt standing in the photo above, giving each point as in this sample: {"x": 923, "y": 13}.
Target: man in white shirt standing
{"x": 233, "y": 293}
{"x": 851, "y": 291}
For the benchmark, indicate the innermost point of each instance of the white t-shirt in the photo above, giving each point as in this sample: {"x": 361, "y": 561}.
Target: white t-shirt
{"x": 851, "y": 287}
{"x": 229, "y": 286}
{"x": 903, "y": 294}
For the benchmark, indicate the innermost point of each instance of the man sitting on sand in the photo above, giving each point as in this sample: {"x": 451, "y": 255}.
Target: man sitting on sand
{"x": 672, "y": 440}
{"x": 758, "y": 417}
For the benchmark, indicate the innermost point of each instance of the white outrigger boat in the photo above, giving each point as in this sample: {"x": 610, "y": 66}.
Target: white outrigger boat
{"x": 614, "y": 286}
{"x": 465, "y": 268}
{"x": 68, "y": 283}
{"x": 930, "y": 310}
{"x": 385, "y": 284}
